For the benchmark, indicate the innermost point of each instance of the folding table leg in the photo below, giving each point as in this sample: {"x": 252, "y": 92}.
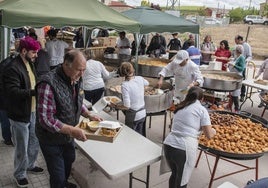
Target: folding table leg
{"x": 130, "y": 179}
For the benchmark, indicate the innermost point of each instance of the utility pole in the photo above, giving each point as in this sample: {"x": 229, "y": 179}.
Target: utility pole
{"x": 172, "y": 6}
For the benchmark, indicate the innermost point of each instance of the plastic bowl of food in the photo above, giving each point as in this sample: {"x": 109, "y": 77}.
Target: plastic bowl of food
{"x": 93, "y": 125}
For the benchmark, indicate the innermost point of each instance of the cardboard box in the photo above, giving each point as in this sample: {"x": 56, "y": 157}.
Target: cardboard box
{"x": 107, "y": 41}
{"x": 95, "y": 135}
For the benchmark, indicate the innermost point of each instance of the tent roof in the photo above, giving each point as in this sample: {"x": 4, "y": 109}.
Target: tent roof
{"x": 153, "y": 20}
{"x": 60, "y": 13}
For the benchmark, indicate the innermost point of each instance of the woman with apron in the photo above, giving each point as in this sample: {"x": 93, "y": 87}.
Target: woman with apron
{"x": 180, "y": 146}
{"x": 133, "y": 98}
{"x": 237, "y": 66}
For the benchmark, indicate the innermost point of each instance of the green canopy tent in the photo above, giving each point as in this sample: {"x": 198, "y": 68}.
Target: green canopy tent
{"x": 153, "y": 20}
{"x": 60, "y": 13}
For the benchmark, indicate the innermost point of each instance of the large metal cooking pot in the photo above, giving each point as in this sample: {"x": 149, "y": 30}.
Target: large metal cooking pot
{"x": 216, "y": 84}
{"x": 153, "y": 103}
{"x": 150, "y": 67}
{"x": 159, "y": 102}
{"x": 237, "y": 156}
{"x": 111, "y": 59}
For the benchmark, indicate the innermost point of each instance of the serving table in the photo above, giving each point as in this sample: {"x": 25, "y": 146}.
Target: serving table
{"x": 130, "y": 151}
{"x": 249, "y": 83}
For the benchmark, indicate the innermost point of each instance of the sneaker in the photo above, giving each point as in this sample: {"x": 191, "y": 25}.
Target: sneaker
{"x": 36, "y": 170}
{"x": 250, "y": 182}
{"x": 242, "y": 99}
{"x": 260, "y": 105}
{"x": 22, "y": 182}
{"x": 237, "y": 111}
{"x": 70, "y": 185}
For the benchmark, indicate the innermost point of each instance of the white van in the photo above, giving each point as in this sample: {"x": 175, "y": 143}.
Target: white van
{"x": 255, "y": 19}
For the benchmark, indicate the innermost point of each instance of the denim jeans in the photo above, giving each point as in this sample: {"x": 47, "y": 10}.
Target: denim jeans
{"x": 59, "y": 159}
{"x": 5, "y": 126}
{"x": 261, "y": 183}
{"x": 26, "y": 146}
{"x": 139, "y": 126}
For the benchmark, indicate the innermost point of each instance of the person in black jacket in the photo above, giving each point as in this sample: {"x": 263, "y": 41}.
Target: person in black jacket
{"x": 174, "y": 45}
{"x": 19, "y": 83}
{"x": 142, "y": 47}
{"x": 5, "y": 124}
{"x": 186, "y": 43}
{"x": 157, "y": 46}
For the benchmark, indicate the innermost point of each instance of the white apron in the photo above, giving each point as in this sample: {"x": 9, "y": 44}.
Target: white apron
{"x": 182, "y": 81}
{"x": 191, "y": 145}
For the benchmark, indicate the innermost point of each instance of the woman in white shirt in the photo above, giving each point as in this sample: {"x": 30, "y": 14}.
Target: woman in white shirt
{"x": 93, "y": 79}
{"x": 133, "y": 98}
{"x": 180, "y": 146}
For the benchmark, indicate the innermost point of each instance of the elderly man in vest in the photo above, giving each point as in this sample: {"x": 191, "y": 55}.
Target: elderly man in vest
{"x": 60, "y": 104}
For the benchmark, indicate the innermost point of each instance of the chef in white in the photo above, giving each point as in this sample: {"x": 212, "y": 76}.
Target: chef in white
{"x": 185, "y": 71}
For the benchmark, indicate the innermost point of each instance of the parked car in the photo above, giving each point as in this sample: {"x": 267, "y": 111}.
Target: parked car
{"x": 212, "y": 21}
{"x": 192, "y": 18}
{"x": 255, "y": 19}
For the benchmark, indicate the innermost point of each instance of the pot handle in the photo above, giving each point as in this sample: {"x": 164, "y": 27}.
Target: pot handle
{"x": 236, "y": 81}
{"x": 166, "y": 90}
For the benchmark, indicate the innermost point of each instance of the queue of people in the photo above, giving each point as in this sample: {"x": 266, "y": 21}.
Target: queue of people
{"x": 49, "y": 105}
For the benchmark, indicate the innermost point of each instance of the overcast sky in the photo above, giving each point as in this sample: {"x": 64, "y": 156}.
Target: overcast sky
{"x": 228, "y": 4}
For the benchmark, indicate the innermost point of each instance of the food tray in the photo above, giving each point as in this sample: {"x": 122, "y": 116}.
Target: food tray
{"x": 112, "y": 99}
{"x": 96, "y": 135}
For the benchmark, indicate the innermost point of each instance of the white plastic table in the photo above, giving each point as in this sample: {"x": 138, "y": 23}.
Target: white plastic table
{"x": 249, "y": 83}
{"x": 129, "y": 151}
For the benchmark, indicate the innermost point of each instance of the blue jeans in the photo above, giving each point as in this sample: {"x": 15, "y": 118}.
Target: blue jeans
{"x": 5, "y": 126}
{"x": 261, "y": 183}
{"x": 59, "y": 159}
{"x": 139, "y": 126}
{"x": 26, "y": 146}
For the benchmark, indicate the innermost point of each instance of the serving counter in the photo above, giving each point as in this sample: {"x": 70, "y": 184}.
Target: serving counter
{"x": 129, "y": 152}
{"x": 250, "y": 85}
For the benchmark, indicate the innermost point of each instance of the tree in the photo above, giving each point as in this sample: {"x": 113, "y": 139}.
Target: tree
{"x": 145, "y": 3}
{"x": 202, "y": 11}
{"x": 236, "y": 15}
{"x": 265, "y": 11}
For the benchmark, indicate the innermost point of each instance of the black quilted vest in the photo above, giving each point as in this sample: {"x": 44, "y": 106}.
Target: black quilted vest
{"x": 68, "y": 108}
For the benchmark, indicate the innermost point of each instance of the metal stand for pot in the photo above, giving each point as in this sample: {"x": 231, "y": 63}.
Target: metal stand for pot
{"x": 164, "y": 112}
{"x": 218, "y": 158}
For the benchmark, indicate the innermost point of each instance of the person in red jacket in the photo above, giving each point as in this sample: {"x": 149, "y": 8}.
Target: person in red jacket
{"x": 223, "y": 54}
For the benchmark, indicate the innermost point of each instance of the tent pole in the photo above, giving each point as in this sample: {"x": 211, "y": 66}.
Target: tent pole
{"x": 5, "y": 42}
{"x": 137, "y": 43}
